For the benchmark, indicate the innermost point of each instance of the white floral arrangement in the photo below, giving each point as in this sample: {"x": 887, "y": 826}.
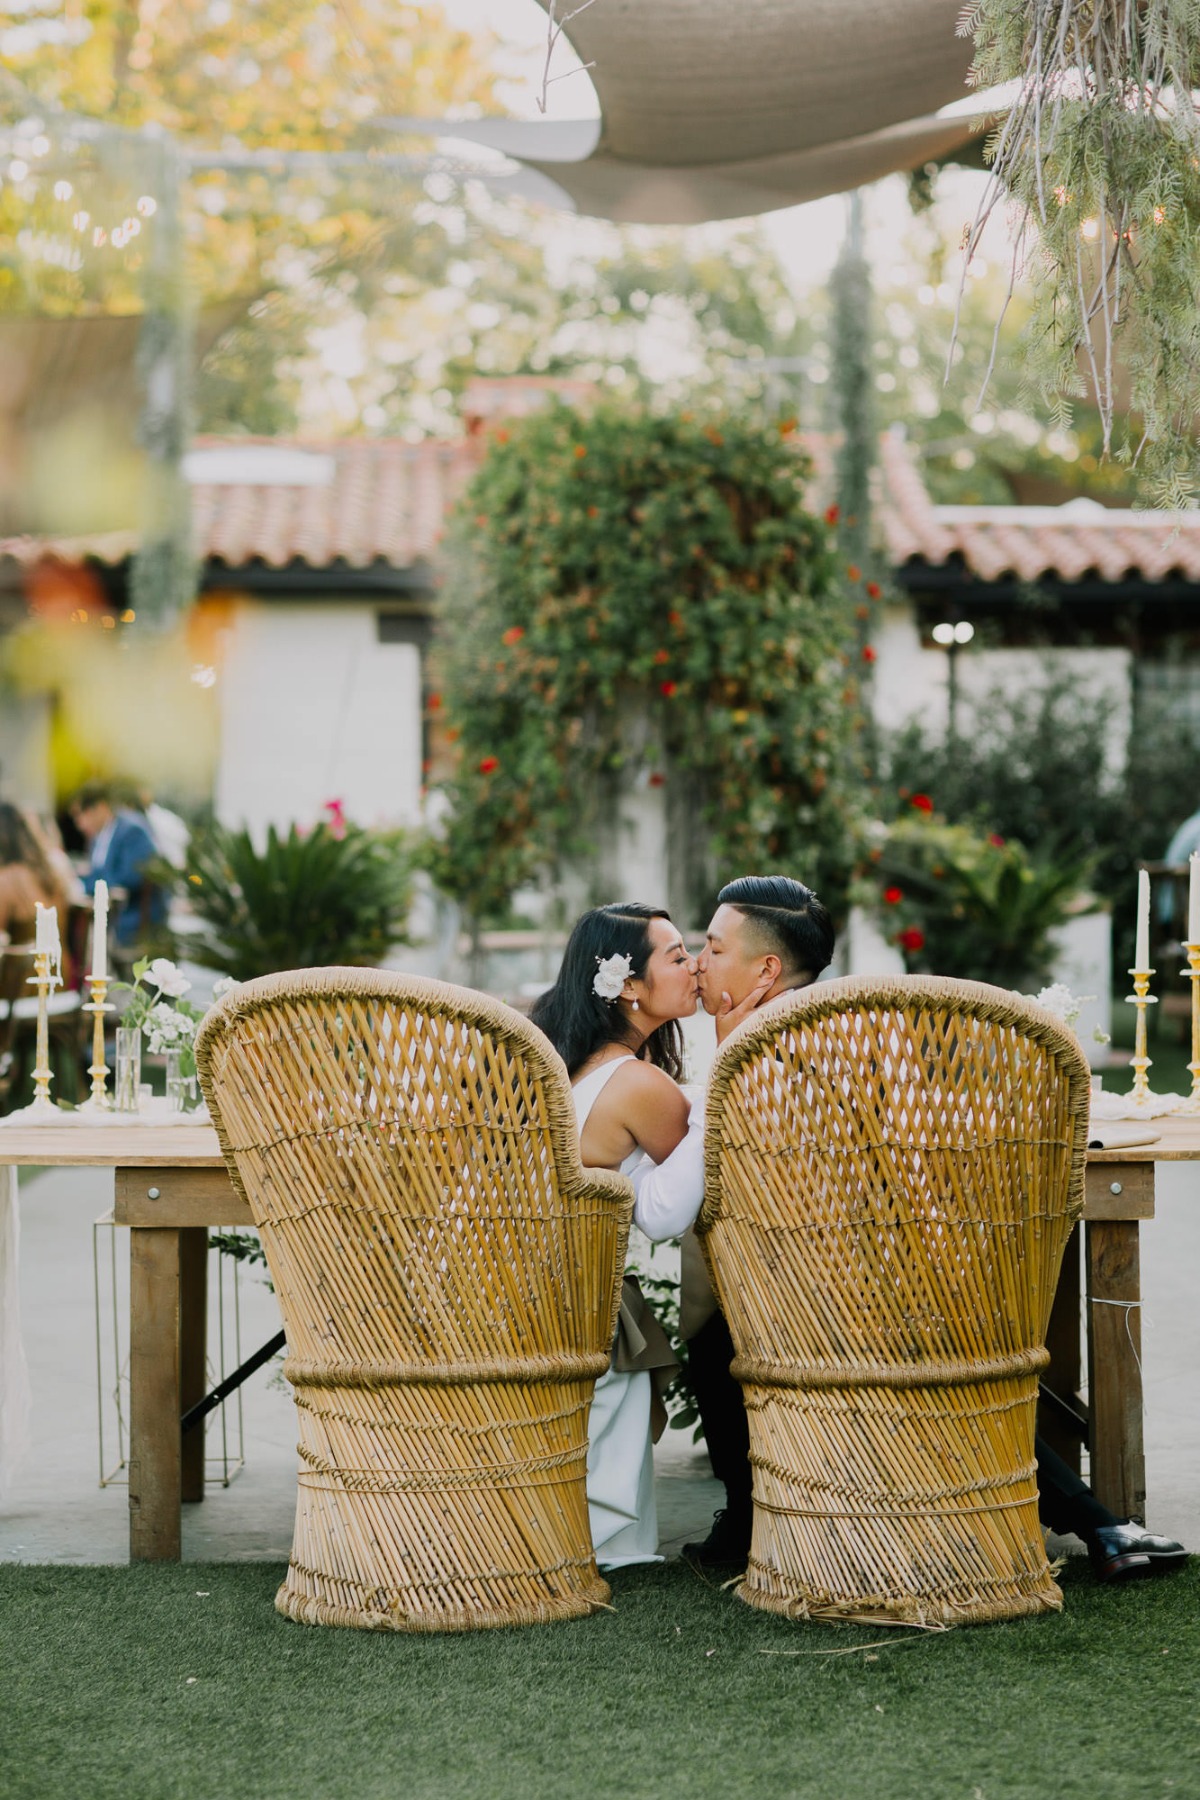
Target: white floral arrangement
{"x": 612, "y": 972}
{"x": 166, "y": 1028}
{"x": 1059, "y": 1000}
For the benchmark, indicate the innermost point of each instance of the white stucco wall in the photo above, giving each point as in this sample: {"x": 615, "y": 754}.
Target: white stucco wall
{"x": 911, "y": 681}
{"x": 314, "y": 708}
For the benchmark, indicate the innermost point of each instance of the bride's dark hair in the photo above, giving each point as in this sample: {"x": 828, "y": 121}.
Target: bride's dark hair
{"x": 574, "y": 1016}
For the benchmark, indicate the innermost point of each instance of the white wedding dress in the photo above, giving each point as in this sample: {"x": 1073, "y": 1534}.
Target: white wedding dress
{"x": 620, "y": 1462}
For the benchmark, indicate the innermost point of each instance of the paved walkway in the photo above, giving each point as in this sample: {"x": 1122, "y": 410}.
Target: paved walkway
{"x": 55, "y": 1510}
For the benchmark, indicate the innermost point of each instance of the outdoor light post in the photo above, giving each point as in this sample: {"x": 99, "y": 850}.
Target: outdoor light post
{"x": 950, "y": 637}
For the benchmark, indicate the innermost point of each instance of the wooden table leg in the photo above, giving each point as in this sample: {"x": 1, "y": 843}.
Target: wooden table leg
{"x": 154, "y": 1439}
{"x": 193, "y": 1351}
{"x": 1114, "y": 1320}
{"x": 1064, "y": 1375}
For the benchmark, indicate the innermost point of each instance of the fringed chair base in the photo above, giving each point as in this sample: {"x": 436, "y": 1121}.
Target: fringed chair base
{"x": 438, "y": 1504}
{"x": 911, "y": 1504}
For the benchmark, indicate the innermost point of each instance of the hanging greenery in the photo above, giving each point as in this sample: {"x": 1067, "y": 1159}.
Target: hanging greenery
{"x": 645, "y": 599}
{"x": 1101, "y": 153}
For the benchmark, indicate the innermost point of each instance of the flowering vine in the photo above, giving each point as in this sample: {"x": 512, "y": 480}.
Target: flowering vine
{"x": 622, "y": 573}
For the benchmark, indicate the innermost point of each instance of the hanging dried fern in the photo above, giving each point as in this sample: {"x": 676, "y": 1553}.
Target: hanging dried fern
{"x": 1100, "y": 154}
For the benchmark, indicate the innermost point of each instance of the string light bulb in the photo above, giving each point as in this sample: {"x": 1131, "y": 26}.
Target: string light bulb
{"x": 81, "y": 220}
{"x": 147, "y": 206}
{"x": 63, "y": 190}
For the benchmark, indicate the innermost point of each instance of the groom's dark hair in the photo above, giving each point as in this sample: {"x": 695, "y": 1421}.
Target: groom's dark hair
{"x": 787, "y": 919}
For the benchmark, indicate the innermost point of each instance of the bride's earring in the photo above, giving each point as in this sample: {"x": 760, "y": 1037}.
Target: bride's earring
{"x": 634, "y": 1005}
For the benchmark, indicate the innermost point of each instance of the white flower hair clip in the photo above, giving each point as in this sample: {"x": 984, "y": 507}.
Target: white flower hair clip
{"x": 612, "y": 972}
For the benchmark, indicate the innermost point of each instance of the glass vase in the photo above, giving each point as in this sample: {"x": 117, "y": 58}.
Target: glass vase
{"x": 128, "y": 1075}
{"x": 181, "y": 1088}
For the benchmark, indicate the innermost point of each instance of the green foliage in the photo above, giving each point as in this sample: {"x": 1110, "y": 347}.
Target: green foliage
{"x": 1040, "y": 771}
{"x": 642, "y": 596}
{"x": 1102, "y": 156}
{"x": 307, "y": 900}
{"x": 958, "y": 902}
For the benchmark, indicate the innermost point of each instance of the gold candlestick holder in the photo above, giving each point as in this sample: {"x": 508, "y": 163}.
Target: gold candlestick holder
{"x": 98, "y": 1100}
{"x": 1192, "y": 974}
{"x": 45, "y": 980}
{"x": 1141, "y": 997}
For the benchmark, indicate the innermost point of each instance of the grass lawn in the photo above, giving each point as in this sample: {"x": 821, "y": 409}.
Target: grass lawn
{"x": 180, "y": 1680}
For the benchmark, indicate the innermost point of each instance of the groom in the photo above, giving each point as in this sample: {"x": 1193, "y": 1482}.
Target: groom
{"x": 770, "y": 935}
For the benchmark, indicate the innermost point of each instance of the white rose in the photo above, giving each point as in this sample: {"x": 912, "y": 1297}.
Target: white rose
{"x": 612, "y": 972}
{"x": 226, "y": 985}
{"x": 163, "y": 975}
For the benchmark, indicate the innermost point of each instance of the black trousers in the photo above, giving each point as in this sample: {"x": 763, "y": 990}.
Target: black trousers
{"x": 1065, "y": 1503}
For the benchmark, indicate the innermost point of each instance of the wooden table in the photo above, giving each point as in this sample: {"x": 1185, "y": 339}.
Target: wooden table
{"x": 171, "y": 1186}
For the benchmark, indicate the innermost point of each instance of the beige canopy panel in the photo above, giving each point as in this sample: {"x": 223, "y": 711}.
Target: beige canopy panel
{"x": 714, "y": 111}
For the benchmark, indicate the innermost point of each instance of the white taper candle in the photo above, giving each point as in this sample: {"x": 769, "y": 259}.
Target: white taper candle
{"x": 1194, "y": 897}
{"x": 100, "y": 932}
{"x": 1141, "y": 954}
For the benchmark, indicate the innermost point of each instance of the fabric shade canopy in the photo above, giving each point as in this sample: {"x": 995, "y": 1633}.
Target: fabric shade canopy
{"x": 718, "y": 108}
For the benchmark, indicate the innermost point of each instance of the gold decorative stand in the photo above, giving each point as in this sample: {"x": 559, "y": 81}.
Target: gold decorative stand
{"x": 1141, "y": 997}
{"x": 1192, "y": 1103}
{"x": 98, "y": 1100}
{"x": 45, "y": 978}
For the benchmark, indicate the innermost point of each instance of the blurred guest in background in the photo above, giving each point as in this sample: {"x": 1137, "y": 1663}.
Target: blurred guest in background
{"x": 121, "y": 846}
{"x": 26, "y": 879}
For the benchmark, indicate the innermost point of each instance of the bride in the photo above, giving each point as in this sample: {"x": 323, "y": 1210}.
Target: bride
{"x": 625, "y": 982}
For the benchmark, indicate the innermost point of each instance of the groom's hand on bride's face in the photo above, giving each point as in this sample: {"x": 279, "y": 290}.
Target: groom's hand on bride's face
{"x": 728, "y": 1016}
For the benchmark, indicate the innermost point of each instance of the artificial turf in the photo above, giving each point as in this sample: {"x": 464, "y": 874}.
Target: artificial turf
{"x": 180, "y": 1680}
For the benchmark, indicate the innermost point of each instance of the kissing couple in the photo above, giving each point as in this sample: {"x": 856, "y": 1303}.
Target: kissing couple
{"x": 626, "y": 980}
{"x": 613, "y": 1016}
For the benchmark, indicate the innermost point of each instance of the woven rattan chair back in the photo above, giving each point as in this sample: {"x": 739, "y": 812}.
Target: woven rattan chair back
{"x": 893, "y": 1170}
{"x": 449, "y": 1278}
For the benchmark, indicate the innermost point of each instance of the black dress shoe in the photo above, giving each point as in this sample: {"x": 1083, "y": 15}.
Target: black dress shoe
{"x": 727, "y": 1545}
{"x": 1126, "y": 1551}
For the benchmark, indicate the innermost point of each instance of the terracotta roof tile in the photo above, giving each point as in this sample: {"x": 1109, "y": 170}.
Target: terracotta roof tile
{"x": 276, "y": 501}
{"x": 1030, "y": 541}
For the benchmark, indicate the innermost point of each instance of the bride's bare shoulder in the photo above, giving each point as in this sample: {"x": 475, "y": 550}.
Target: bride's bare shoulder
{"x": 641, "y": 1084}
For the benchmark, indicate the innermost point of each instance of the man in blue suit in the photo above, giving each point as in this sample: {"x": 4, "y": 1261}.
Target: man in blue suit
{"x": 121, "y": 846}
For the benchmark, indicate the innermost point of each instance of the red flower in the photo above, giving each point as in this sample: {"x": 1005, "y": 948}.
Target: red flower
{"x": 489, "y": 765}
{"x": 593, "y": 512}
{"x": 832, "y": 514}
{"x": 862, "y": 612}
{"x": 873, "y": 590}
{"x": 581, "y": 450}
{"x": 434, "y": 702}
{"x": 675, "y": 617}
{"x": 910, "y": 938}
{"x": 501, "y": 435}
{"x": 662, "y": 656}
{"x": 922, "y": 802}
{"x": 667, "y": 688}
{"x": 787, "y": 426}
{"x": 893, "y": 896}
{"x": 853, "y": 572}
{"x": 513, "y": 635}
{"x": 656, "y": 780}
{"x": 995, "y": 839}
{"x": 868, "y": 653}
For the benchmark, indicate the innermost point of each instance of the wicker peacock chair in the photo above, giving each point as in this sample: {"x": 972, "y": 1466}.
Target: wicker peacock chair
{"x": 449, "y": 1278}
{"x": 893, "y": 1168}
